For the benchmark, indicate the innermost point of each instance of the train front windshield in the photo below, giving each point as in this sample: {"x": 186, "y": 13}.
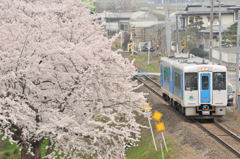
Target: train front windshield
{"x": 191, "y": 81}
{"x": 219, "y": 81}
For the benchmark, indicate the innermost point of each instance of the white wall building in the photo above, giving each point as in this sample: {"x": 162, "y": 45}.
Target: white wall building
{"x": 229, "y": 56}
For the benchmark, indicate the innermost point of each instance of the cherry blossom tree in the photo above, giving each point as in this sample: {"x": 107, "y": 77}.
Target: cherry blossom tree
{"x": 60, "y": 81}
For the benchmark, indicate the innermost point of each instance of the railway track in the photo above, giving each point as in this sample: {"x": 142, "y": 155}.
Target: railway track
{"x": 223, "y": 135}
{"x": 150, "y": 84}
{"x": 216, "y": 130}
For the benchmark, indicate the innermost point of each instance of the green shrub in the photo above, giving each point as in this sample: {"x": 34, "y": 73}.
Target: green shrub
{"x": 6, "y": 155}
{"x": 199, "y": 52}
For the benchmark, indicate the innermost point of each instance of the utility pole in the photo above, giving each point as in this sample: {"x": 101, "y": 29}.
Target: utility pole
{"x": 220, "y": 32}
{"x": 237, "y": 63}
{"x": 186, "y": 34}
{"x": 176, "y": 5}
{"x": 121, "y": 34}
{"x": 211, "y": 32}
{"x": 144, "y": 35}
{"x": 177, "y": 35}
{"x": 168, "y": 27}
{"x": 149, "y": 49}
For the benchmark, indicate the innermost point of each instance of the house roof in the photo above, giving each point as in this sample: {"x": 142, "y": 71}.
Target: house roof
{"x": 118, "y": 15}
{"x": 138, "y": 14}
{"x": 134, "y": 16}
{"x": 234, "y": 8}
{"x": 205, "y": 10}
{"x": 194, "y": 7}
{"x": 145, "y": 24}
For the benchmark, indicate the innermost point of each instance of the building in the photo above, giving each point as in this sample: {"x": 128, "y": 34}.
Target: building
{"x": 228, "y": 18}
{"x": 138, "y": 27}
{"x": 116, "y": 22}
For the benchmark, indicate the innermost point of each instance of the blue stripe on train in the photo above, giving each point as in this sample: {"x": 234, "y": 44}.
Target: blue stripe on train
{"x": 169, "y": 81}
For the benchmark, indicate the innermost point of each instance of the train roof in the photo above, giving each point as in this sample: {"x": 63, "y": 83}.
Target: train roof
{"x": 189, "y": 62}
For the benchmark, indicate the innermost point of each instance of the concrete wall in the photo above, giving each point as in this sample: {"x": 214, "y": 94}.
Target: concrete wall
{"x": 228, "y": 59}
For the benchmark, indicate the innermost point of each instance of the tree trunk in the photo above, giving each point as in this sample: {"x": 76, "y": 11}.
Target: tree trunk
{"x": 35, "y": 151}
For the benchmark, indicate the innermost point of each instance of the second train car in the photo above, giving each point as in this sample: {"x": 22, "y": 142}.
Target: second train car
{"x": 194, "y": 86}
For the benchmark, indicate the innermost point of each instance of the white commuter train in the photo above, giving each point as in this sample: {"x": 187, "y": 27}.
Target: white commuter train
{"x": 194, "y": 86}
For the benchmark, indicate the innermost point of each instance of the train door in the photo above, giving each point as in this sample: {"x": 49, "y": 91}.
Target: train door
{"x": 205, "y": 88}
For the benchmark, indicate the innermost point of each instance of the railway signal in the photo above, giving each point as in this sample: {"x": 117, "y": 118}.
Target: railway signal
{"x": 147, "y": 108}
{"x": 160, "y": 127}
{"x": 157, "y": 116}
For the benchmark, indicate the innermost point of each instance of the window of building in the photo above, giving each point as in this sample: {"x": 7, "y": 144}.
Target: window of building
{"x": 191, "y": 81}
{"x": 219, "y": 81}
{"x": 122, "y": 27}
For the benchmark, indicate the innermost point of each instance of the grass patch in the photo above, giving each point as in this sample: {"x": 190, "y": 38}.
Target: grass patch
{"x": 8, "y": 150}
{"x": 11, "y": 151}
{"x": 161, "y": 17}
{"x": 146, "y": 150}
{"x": 141, "y": 61}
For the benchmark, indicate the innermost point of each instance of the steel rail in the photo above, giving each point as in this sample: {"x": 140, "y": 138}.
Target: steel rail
{"x": 146, "y": 85}
{"x": 153, "y": 81}
{"x": 226, "y": 130}
{"x": 221, "y": 141}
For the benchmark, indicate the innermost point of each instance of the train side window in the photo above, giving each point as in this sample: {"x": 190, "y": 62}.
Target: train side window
{"x": 161, "y": 69}
{"x": 219, "y": 81}
{"x": 191, "y": 81}
{"x": 165, "y": 74}
{"x": 205, "y": 83}
{"x": 177, "y": 80}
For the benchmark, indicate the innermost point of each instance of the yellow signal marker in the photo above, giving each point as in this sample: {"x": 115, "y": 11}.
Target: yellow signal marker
{"x": 129, "y": 47}
{"x": 160, "y": 127}
{"x": 157, "y": 116}
{"x": 146, "y": 107}
{"x": 184, "y": 44}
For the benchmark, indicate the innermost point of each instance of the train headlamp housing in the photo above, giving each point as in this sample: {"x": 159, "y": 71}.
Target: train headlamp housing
{"x": 205, "y": 69}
